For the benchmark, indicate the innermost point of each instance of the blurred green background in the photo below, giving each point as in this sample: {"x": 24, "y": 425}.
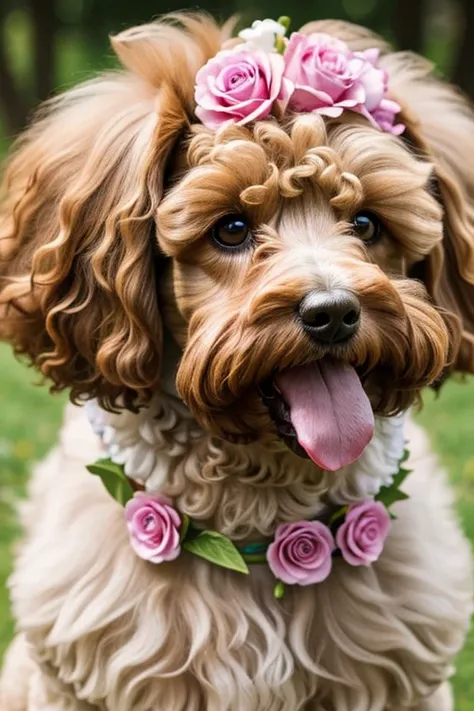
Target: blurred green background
{"x": 49, "y": 45}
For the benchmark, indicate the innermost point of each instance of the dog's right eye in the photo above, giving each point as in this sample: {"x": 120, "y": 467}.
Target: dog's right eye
{"x": 231, "y": 232}
{"x": 367, "y": 227}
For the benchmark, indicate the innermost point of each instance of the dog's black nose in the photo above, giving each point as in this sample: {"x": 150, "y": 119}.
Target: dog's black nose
{"x": 330, "y": 316}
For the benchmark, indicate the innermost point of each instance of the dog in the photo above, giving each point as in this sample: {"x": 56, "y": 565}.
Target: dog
{"x": 243, "y": 308}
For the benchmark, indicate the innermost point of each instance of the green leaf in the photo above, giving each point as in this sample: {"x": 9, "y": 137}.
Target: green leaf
{"x": 217, "y": 549}
{"x": 279, "y": 590}
{"x": 113, "y": 478}
{"x": 405, "y": 455}
{"x": 389, "y": 495}
{"x": 400, "y": 476}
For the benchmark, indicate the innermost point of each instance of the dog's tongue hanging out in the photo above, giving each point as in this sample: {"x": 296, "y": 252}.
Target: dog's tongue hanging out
{"x": 329, "y": 410}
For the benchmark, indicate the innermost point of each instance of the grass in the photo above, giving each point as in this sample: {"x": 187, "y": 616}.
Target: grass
{"x": 449, "y": 420}
{"x": 29, "y": 418}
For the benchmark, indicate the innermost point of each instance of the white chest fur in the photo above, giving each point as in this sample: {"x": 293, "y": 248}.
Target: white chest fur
{"x": 243, "y": 488}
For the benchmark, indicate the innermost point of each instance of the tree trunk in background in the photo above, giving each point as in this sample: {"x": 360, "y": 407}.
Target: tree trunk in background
{"x": 408, "y": 24}
{"x": 463, "y": 72}
{"x": 43, "y": 20}
{"x": 12, "y": 102}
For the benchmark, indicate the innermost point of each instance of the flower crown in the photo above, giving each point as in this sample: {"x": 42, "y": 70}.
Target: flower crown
{"x": 268, "y": 74}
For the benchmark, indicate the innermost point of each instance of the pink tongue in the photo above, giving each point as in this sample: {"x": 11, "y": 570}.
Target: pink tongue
{"x": 330, "y": 412}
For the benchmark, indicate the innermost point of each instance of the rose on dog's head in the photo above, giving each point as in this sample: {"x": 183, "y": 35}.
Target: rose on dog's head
{"x": 239, "y": 86}
{"x": 316, "y": 73}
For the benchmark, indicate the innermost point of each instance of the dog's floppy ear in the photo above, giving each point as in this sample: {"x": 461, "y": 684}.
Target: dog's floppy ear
{"x": 440, "y": 128}
{"x": 78, "y": 250}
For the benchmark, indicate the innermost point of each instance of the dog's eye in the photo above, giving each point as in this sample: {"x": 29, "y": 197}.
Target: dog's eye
{"x": 231, "y": 231}
{"x": 367, "y": 227}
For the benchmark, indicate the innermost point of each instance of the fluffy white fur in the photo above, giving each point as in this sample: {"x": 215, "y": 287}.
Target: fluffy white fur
{"x": 101, "y": 629}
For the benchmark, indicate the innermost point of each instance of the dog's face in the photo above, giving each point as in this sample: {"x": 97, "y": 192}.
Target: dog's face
{"x": 313, "y": 271}
{"x": 287, "y": 284}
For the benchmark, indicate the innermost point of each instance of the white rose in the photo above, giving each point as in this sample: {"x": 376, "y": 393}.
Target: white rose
{"x": 262, "y": 34}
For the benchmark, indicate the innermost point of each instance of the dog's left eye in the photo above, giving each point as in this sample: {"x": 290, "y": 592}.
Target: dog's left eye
{"x": 367, "y": 227}
{"x": 231, "y": 231}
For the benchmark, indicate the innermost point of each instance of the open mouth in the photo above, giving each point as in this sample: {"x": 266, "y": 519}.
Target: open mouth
{"x": 321, "y": 411}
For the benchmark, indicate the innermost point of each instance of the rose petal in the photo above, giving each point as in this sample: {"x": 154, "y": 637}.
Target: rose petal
{"x": 144, "y": 551}
{"x": 286, "y": 90}
{"x": 370, "y": 55}
{"x": 331, "y": 111}
{"x": 170, "y": 555}
{"x": 374, "y": 82}
{"x": 307, "y": 99}
{"x": 353, "y": 96}
{"x": 241, "y": 73}
{"x": 213, "y": 119}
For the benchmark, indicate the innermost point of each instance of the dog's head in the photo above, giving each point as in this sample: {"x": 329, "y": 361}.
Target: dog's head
{"x": 312, "y": 270}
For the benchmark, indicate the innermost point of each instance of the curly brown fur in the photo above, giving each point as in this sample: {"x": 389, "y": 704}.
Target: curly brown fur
{"x": 300, "y": 188}
{"x": 77, "y": 255}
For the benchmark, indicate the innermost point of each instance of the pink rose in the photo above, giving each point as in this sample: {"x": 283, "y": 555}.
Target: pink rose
{"x": 239, "y": 85}
{"x": 153, "y": 525}
{"x": 328, "y": 78}
{"x": 362, "y": 536}
{"x": 373, "y": 80}
{"x": 380, "y": 111}
{"x": 325, "y": 74}
{"x": 301, "y": 552}
{"x": 384, "y": 116}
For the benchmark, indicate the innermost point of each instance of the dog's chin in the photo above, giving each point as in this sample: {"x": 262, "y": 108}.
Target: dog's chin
{"x": 320, "y": 411}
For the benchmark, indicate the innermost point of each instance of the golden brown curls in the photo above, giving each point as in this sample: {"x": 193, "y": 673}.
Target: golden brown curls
{"x": 77, "y": 249}
{"x": 241, "y": 310}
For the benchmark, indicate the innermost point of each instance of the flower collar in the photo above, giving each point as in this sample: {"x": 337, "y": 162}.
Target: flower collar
{"x": 301, "y": 553}
{"x": 269, "y": 74}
